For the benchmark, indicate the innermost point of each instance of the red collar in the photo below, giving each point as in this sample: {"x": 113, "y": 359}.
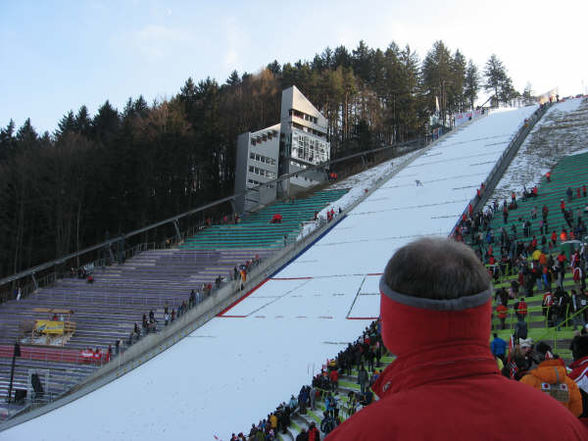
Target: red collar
{"x": 407, "y": 328}
{"x": 455, "y": 360}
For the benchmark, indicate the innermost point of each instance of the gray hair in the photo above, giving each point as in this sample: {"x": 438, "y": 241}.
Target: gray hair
{"x": 436, "y": 268}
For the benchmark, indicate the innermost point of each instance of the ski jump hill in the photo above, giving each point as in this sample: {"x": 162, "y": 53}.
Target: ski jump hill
{"x": 235, "y": 369}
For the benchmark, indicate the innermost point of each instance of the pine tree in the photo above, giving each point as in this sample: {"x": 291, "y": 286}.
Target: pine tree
{"x": 234, "y": 79}
{"x": 26, "y": 136}
{"x": 498, "y": 81}
{"x": 341, "y": 57}
{"x": 438, "y": 80}
{"x": 472, "y": 83}
{"x": 66, "y": 124}
{"x": 7, "y": 141}
{"x": 362, "y": 59}
{"x": 458, "y": 71}
{"x": 274, "y": 67}
{"x": 106, "y": 123}
{"x": 83, "y": 123}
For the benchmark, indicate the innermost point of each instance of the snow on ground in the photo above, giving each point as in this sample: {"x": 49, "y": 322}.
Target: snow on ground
{"x": 237, "y": 368}
{"x": 562, "y": 131}
{"x": 357, "y": 184}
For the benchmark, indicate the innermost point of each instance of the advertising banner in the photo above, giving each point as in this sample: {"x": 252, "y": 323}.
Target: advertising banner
{"x": 49, "y": 327}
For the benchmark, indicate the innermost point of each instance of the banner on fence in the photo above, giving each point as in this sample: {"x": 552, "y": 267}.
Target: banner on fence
{"x": 463, "y": 117}
{"x": 49, "y": 327}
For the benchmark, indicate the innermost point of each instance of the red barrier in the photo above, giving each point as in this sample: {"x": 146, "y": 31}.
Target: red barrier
{"x": 44, "y": 353}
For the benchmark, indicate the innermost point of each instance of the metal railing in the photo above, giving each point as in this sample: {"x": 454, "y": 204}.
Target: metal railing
{"x": 555, "y": 329}
{"x": 502, "y": 164}
{"x": 554, "y": 326}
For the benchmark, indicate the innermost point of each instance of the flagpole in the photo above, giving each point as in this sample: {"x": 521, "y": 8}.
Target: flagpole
{"x": 15, "y": 353}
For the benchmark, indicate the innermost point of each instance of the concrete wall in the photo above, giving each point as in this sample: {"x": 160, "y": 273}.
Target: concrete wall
{"x": 241, "y": 169}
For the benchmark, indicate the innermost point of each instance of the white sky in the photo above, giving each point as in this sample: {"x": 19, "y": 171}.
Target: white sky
{"x": 234, "y": 370}
{"x": 59, "y": 55}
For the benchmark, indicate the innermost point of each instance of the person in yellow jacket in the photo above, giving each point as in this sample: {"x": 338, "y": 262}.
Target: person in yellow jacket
{"x": 551, "y": 377}
{"x": 273, "y": 419}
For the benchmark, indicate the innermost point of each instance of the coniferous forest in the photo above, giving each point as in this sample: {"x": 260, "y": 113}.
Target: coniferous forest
{"x": 98, "y": 176}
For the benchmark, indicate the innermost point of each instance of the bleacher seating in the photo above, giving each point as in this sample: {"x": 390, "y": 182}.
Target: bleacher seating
{"x": 255, "y": 230}
{"x": 106, "y": 310}
{"x": 571, "y": 172}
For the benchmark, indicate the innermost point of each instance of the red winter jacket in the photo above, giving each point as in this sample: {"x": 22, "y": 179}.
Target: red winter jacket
{"x": 579, "y": 373}
{"x": 444, "y": 384}
{"x": 334, "y": 375}
{"x": 314, "y": 434}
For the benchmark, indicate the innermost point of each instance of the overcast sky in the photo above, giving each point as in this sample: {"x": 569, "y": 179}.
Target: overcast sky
{"x": 59, "y": 55}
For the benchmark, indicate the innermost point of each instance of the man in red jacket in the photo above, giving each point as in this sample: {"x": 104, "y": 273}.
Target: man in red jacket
{"x": 579, "y": 368}
{"x": 436, "y": 304}
{"x": 313, "y": 433}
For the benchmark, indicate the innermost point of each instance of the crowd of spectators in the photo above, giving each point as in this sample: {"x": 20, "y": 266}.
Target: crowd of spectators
{"x": 522, "y": 360}
{"x": 268, "y": 428}
{"x": 529, "y": 257}
{"x": 362, "y": 356}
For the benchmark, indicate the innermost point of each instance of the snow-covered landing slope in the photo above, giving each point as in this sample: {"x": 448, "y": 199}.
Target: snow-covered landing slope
{"x": 235, "y": 369}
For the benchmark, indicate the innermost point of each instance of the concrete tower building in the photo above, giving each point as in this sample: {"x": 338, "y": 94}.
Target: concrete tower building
{"x": 298, "y": 142}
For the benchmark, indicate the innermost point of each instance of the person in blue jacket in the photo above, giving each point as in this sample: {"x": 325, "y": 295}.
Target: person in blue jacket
{"x": 498, "y": 347}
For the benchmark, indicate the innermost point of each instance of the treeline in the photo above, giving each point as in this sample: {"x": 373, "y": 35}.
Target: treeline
{"x": 102, "y": 175}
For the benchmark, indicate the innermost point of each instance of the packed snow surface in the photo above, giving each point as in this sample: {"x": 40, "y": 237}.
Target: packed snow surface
{"x": 233, "y": 371}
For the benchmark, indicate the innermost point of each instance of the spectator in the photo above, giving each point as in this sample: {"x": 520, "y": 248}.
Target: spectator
{"x": 436, "y": 312}
{"x": 273, "y": 419}
{"x": 313, "y": 392}
{"x": 302, "y": 400}
{"x": 498, "y": 347}
{"x": 313, "y": 433}
{"x": 302, "y": 436}
{"x": 520, "y": 329}
{"x": 502, "y": 312}
{"x": 334, "y": 377}
{"x": 550, "y": 377}
{"x": 547, "y": 307}
{"x": 575, "y": 308}
{"x": 369, "y": 358}
{"x": 579, "y": 367}
{"x": 363, "y": 378}
{"x": 520, "y": 308}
